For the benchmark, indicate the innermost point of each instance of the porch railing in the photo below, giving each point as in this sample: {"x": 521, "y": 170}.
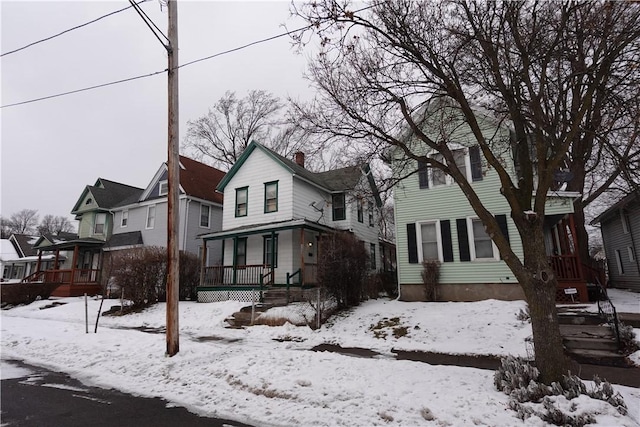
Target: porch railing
{"x": 566, "y": 267}
{"x": 75, "y": 276}
{"x": 242, "y": 275}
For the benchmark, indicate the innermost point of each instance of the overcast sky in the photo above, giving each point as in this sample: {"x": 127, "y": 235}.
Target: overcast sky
{"x": 53, "y": 148}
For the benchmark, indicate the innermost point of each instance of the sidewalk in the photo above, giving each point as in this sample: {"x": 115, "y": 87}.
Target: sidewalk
{"x": 623, "y": 376}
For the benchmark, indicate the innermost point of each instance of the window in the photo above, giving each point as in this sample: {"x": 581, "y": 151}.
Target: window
{"x": 429, "y": 241}
{"x": 423, "y": 175}
{"x": 151, "y": 216}
{"x": 475, "y": 161}
{"x": 438, "y": 177}
{"x": 360, "y": 210}
{"x": 204, "y": 215}
{"x": 163, "y": 188}
{"x": 481, "y": 245}
{"x": 241, "y": 252}
{"x": 241, "y": 201}
{"x": 625, "y": 222}
{"x": 98, "y": 226}
{"x": 270, "y": 197}
{"x": 468, "y": 161}
{"x": 89, "y": 201}
{"x": 371, "y": 214}
{"x": 372, "y": 254}
{"x": 338, "y": 207}
{"x": 632, "y": 255}
{"x": 619, "y": 262}
{"x": 267, "y": 251}
{"x": 124, "y": 219}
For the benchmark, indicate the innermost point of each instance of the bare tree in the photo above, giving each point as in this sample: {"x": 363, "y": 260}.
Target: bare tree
{"x": 223, "y": 134}
{"x": 548, "y": 69}
{"x": 52, "y": 224}
{"x": 22, "y": 222}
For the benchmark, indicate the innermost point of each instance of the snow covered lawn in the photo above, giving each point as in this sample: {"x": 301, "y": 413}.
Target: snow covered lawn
{"x": 268, "y": 376}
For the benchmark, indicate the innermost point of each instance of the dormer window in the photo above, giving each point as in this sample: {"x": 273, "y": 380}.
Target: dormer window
{"x": 163, "y": 188}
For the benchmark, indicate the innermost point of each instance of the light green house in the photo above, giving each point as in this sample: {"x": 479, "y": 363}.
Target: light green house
{"x": 434, "y": 219}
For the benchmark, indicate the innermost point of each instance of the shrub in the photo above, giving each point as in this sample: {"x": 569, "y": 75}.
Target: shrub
{"x": 518, "y": 379}
{"x": 430, "y": 278}
{"x": 141, "y": 274}
{"x": 343, "y": 266}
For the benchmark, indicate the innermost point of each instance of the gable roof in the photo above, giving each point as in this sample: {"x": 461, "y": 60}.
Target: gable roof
{"x": 7, "y": 250}
{"x": 49, "y": 239}
{"x": 24, "y": 244}
{"x": 621, "y": 204}
{"x": 196, "y": 180}
{"x": 108, "y": 194}
{"x": 336, "y": 180}
{"x": 200, "y": 180}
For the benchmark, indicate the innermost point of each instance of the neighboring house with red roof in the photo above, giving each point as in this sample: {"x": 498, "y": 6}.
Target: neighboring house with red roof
{"x": 141, "y": 219}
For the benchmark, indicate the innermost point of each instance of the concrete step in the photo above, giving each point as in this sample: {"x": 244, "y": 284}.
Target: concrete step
{"x": 586, "y": 331}
{"x": 599, "y": 357}
{"x": 580, "y": 319}
{"x": 631, "y": 319}
{"x": 590, "y": 343}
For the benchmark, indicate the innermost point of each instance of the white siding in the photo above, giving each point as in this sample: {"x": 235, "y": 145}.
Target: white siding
{"x": 258, "y": 169}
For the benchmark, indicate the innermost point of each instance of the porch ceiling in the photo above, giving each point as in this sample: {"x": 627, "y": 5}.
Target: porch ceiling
{"x": 264, "y": 228}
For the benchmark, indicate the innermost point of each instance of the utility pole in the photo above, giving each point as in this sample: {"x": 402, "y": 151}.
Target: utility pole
{"x": 173, "y": 166}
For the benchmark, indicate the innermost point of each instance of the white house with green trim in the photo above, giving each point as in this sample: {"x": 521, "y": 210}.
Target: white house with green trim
{"x": 434, "y": 220}
{"x": 275, "y": 213}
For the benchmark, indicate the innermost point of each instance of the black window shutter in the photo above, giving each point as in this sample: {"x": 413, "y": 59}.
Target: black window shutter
{"x": 423, "y": 177}
{"x": 413, "y": 244}
{"x": 447, "y": 244}
{"x": 476, "y": 163}
{"x": 463, "y": 240}
{"x": 502, "y": 223}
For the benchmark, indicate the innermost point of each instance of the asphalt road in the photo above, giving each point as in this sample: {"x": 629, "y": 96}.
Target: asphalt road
{"x": 42, "y": 398}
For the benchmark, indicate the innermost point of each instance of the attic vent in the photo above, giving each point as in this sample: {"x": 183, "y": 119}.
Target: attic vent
{"x": 88, "y": 202}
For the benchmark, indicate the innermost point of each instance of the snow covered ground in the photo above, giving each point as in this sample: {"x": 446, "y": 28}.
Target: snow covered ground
{"x": 268, "y": 376}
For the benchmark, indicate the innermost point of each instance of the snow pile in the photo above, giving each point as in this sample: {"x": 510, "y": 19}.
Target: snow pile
{"x": 268, "y": 376}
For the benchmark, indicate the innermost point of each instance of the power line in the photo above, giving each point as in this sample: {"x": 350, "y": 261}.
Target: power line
{"x": 84, "y": 89}
{"x": 150, "y": 24}
{"x": 286, "y": 33}
{"x": 69, "y": 30}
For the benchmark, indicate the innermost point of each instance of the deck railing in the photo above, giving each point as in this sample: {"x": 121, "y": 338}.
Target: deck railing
{"x": 242, "y": 275}
{"x": 70, "y": 276}
{"x": 566, "y": 267}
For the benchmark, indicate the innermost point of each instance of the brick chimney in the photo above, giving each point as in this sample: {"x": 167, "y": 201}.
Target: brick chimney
{"x": 299, "y": 158}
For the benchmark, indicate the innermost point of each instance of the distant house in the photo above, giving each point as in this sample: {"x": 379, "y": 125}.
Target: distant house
{"x": 81, "y": 272}
{"x": 620, "y": 228}
{"x": 274, "y": 215}
{"x": 141, "y": 219}
{"x": 28, "y": 259}
{"x": 434, "y": 220}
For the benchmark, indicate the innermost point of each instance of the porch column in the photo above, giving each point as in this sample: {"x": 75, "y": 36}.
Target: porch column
{"x": 57, "y": 259}
{"x": 235, "y": 260}
{"x": 203, "y": 262}
{"x": 76, "y": 249}
{"x": 572, "y": 227}
{"x": 302, "y": 249}
{"x": 273, "y": 256}
{"x": 39, "y": 261}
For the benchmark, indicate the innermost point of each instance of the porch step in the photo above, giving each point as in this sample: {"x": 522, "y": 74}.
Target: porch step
{"x": 586, "y": 331}
{"x": 599, "y": 357}
{"x": 579, "y": 343}
{"x": 580, "y": 319}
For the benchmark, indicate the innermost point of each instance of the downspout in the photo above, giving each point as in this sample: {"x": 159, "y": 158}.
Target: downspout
{"x": 186, "y": 221}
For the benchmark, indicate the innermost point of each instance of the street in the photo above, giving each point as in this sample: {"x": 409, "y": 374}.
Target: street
{"x": 37, "y": 397}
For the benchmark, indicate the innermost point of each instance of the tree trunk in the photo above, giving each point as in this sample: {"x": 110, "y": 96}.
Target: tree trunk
{"x": 539, "y": 284}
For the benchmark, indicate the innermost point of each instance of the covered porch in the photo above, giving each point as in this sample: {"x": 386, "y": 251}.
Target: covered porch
{"x": 81, "y": 276}
{"x": 259, "y": 257}
{"x": 573, "y": 276}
